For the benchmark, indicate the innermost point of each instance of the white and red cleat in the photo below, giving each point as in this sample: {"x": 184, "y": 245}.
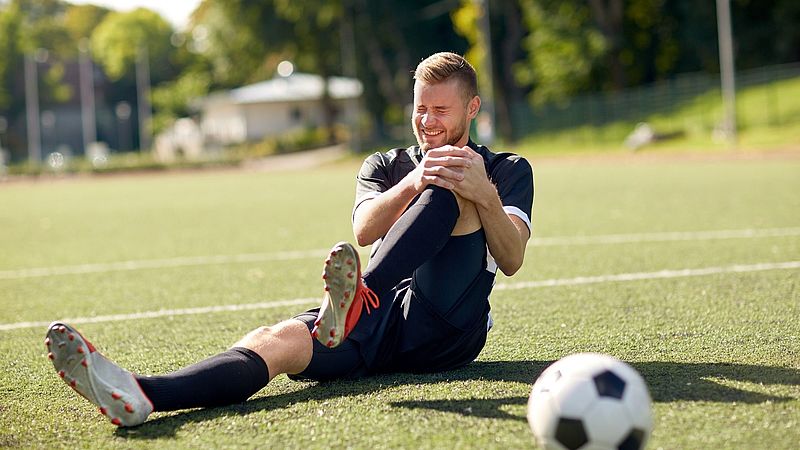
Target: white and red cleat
{"x": 345, "y": 296}
{"x": 111, "y": 388}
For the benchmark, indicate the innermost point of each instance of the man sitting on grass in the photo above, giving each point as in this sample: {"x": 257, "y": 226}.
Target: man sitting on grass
{"x": 441, "y": 216}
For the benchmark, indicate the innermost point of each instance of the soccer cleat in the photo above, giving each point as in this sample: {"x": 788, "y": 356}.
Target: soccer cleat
{"x": 345, "y": 296}
{"x": 111, "y": 388}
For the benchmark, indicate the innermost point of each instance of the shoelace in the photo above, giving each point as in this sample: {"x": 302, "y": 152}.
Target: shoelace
{"x": 368, "y": 297}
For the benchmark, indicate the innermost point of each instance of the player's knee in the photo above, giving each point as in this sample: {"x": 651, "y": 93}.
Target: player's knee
{"x": 256, "y": 337}
{"x": 439, "y": 196}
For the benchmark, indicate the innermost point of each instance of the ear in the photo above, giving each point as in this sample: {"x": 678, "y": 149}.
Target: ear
{"x": 473, "y": 107}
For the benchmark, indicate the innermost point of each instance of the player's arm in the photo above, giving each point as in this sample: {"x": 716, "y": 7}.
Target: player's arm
{"x": 441, "y": 167}
{"x": 506, "y": 234}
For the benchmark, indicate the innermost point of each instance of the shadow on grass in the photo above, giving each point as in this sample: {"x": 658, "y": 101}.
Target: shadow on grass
{"x": 668, "y": 382}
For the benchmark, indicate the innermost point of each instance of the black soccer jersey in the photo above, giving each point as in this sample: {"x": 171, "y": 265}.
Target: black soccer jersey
{"x": 510, "y": 173}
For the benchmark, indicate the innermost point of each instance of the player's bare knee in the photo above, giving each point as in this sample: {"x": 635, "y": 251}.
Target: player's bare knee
{"x": 256, "y": 338}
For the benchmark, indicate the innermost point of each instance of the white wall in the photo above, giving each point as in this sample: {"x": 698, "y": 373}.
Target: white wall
{"x": 228, "y": 123}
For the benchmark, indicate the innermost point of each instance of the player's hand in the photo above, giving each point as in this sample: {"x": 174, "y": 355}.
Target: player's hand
{"x": 474, "y": 184}
{"x": 443, "y": 167}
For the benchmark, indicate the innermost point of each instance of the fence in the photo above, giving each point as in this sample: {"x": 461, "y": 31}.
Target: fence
{"x": 674, "y": 104}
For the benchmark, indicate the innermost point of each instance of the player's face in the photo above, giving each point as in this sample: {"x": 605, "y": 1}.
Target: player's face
{"x": 441, "y": 116}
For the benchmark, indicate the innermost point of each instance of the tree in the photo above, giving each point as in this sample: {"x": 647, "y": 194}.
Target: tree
{"x": 81, "y": 20}
{"x": 562, "y": 49}
{"x": 11, "y": 50}
{"x": 121, "y": 35}
{"x": 506, "y": 45}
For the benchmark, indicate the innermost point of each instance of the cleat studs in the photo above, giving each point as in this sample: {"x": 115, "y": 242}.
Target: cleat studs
{"x": 47, "y": 342}
{"x": 349, "y": 262}
{"x": 333, "y": 332}
{"x": 115, "y": 396}
{"x": 327, "y": 288}
{"x": 342, "y": 304}
{"x": 80, "y": 350}
{"x": 330, "y": 343}
{"x": 103, "y": 411}
{"x": 61, "y": 373}
{"x": 51, "y": 355}
{"x": 62, "y": 329}
{"x": 73, "y": 383}
{"x": 324, "y": 276}
{"x": 349, "y": 274}
{"x": 346, "y": 294}
{"x": 116, "y": 421}
{"x": 71, "y": 337}
{"x": 128, "y": 407}
{"x": 84, "y": 364}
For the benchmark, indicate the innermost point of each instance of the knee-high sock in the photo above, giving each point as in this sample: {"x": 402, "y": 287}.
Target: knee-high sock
{"x": 224, "y": 379}
{"x": 419, "y": 234}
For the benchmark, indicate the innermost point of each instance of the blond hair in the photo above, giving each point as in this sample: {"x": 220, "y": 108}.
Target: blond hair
{"x": 444, "y": 66}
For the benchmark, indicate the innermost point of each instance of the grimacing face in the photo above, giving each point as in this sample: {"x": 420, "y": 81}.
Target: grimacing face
{"x": 441, "y": 116}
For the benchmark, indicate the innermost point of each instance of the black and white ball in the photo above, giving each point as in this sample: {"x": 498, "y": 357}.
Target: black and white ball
{"x": 590, "y": 401}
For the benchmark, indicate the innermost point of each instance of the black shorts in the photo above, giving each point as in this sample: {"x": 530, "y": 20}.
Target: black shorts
{"x": 424, "y": 337}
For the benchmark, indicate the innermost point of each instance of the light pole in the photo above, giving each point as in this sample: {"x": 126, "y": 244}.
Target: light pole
{"x": 348, "y": 57}
{"x": 486, "y": 119}
{"x": 726, "y": 69}
{"x": 32, "y": 109}
{"x": 86, "y": 74}
{"x": 143, "y": 96}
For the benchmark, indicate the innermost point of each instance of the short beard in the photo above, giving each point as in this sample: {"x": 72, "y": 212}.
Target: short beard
{"x": 453, "y": 140}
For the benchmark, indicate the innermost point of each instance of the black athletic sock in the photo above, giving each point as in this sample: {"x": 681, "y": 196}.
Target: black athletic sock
{"x": 224, "y": 379}
{"x": 418, "y": 235}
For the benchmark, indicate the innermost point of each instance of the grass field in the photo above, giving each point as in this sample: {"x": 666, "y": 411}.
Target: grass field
{"x": 687, "y": 270}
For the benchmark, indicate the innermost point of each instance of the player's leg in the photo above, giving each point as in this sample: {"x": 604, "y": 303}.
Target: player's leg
{"x": 226, "y": 378}
{"x": 418, "y": 234}
{"x": 445, "y": 311}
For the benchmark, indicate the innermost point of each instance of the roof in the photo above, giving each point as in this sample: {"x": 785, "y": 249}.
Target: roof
{"x": 295, "y": 87}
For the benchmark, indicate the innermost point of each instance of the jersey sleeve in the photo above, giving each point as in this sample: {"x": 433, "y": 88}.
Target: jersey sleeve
{"x": 372, "y": 179}
{"x": 514, "y": 181}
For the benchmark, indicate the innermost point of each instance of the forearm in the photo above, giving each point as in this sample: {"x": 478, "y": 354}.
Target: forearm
{"x": 505, "y": 236}
{"x": 373, "y": 218}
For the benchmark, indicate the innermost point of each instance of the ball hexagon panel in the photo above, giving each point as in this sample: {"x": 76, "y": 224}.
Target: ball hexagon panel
{"x": 546, "y": 381}
{"x": 573, "y": 396}
{"x": 583, "y": 364}
{"x": 607, "y": 422}
{"x": 540, "y": 414}
{"x": 637, "y": 402}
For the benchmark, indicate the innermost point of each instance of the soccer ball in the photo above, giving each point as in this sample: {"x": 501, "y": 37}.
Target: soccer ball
{"x": 590, "y": 401}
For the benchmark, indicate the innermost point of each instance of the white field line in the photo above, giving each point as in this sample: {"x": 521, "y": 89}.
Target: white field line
{"x": 622, "y": 277}
{"x": 188, "y": 261}
{"x": 165, "y": 313}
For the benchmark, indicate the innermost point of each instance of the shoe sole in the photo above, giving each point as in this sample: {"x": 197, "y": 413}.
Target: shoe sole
{"x": 76, "y": 361}
{"x": 340, "y": 275}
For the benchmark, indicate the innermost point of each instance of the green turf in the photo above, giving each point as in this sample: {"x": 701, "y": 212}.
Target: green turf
{"x": 720, "y": 353}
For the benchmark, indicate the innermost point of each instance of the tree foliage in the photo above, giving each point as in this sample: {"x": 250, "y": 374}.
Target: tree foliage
{"x": 545, "y": 50}
{"x": 120, "y": 37}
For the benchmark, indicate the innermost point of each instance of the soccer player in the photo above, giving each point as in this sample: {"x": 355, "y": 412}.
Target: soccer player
{"x": 442, "y": 216}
